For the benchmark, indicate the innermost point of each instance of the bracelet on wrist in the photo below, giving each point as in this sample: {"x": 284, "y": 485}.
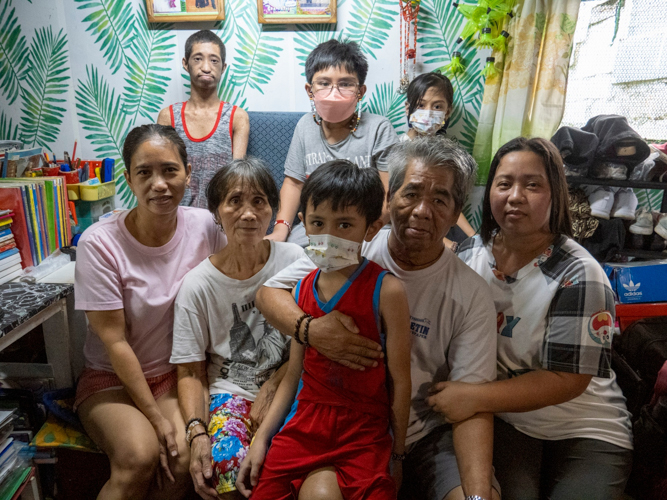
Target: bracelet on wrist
{"x": 196, "y": 436}
{"x": 281, "y": 221}
{"x": 474, "y": 497}
{"x": 305, "y": 331}
{"x": 397, "y": 457}
{"x": 298, "y": 327}
{"x": 192, "y": 423}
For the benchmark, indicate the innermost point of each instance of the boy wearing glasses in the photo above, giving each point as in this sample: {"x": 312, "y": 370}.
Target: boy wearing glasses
{"x": 214, "y": 132}
{"x": 336, "y": 128}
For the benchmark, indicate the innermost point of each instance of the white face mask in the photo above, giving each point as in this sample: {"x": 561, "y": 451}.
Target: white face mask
{"x": 330, "y": 253}
{"x": 427, "y": 122}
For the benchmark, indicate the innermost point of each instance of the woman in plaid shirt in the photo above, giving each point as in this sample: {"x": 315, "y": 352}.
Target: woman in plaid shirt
{"x": 562, "y": 429}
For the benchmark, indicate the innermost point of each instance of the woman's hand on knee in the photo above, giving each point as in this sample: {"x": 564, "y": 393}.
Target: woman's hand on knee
{"x": 249, "y": 472}
{"x": 166, "y": 436}
{"x": 200, "y": 467}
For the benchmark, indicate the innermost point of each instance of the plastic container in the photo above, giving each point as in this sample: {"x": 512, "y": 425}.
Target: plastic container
{"x": 626, "y": 314}
{"x": 70, "y": 177}
{"x": 51, "y": 171}
{"x": 97, "y": 192}
{"x": 73, "y": 192}
{"x": 94, "y": 209}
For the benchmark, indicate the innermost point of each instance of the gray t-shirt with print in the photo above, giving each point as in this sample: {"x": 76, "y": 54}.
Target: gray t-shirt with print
{"x": 365, "y": 147}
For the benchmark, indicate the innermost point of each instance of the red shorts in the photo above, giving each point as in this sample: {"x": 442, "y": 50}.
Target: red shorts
{"x": 93, "y": 381}
{"x": 357, "y": 445}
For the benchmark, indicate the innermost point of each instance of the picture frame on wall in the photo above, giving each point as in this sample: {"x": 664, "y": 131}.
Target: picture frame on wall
{"x": 296, "y": 11}
{"x": 175, "y": 11}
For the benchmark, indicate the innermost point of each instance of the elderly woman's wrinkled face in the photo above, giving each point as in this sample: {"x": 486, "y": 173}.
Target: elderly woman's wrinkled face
{"x": 520, "y": 195}
{"x": 245, "y": 214}
{"x": 423, "y": 209}
{"x": 157, "y": 176}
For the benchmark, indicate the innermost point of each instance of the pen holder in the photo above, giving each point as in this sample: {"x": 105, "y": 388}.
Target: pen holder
{"x": 70, "y": 177}
{"x": 52, "y": 171}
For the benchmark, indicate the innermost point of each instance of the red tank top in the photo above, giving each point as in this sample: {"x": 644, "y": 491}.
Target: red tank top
{"x": 326, "y": 382}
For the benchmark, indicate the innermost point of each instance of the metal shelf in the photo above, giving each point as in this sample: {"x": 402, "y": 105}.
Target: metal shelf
{"x": 662, "y": 186}
{"x": 643, "y": 254}
{"x": 578, "y": 181}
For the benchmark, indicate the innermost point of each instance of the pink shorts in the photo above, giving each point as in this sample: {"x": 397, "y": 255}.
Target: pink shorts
{"x": 94, "y": 381}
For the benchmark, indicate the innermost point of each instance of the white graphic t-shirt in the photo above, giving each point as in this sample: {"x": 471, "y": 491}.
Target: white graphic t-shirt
{"x": 216, "y": 315}
{"x": 452, "y": 323}
{"x": 557, "y": 313}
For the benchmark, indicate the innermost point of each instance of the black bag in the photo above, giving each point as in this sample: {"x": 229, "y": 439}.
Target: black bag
{"x": 637, "y": 356}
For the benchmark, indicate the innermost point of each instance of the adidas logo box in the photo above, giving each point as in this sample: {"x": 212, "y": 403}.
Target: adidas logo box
{"x": 639, "y": 281}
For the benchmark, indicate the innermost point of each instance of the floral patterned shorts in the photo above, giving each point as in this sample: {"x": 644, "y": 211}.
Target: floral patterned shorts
{"x": 229, "y": 427}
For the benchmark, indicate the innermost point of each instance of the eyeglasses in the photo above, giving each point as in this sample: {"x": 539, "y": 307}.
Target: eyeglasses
{"x": 326, "y": 88}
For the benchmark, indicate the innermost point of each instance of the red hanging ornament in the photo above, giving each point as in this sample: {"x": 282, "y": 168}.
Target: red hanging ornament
{"x": 408, "y": 16}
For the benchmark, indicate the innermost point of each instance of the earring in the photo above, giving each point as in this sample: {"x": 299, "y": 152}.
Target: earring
{"x": 312, "y": 108}
{"x": 357, "y": 111}
{"x": 218, "y": 223}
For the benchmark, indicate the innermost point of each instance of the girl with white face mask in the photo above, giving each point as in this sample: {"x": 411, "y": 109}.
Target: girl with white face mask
{"x": 335, "y": 128}
{"x": 430, "y": 101}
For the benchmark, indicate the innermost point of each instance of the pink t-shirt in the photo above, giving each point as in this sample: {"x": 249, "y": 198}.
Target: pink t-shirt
{"x": 115, "y": 271}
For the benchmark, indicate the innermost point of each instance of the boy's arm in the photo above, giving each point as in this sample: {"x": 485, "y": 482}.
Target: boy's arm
{"x": 395, "y": 315}
{"x": 240, "y": 133}
{"x": 284, "y": 398}
{"x": 164, "y": 118}
{"x": 249, "y": 471}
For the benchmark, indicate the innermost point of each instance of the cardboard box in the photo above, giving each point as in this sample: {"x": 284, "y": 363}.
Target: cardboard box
{"x": 639, "y": 282}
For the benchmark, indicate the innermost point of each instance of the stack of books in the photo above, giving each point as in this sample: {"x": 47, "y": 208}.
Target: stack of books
{"x": 10, "y": 259}
{"x": 40, "y": 215}
{"x": 14, "y": 462}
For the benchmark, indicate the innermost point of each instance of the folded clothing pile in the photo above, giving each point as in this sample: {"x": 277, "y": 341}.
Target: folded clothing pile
{"x": 606, "y": 148}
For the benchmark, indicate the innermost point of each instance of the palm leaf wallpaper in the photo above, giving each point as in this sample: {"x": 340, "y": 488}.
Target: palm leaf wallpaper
{"x": 90, "y": 70}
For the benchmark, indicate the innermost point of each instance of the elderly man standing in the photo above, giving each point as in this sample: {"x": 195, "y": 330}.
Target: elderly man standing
{"x": 452, "y": 320}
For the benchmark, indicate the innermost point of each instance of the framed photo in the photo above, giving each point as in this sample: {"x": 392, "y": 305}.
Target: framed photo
{"x": 296, "y": 11}
{"x": 174, "y": 11}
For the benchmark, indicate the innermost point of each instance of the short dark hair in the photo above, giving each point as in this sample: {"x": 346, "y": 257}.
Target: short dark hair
{"x": 343, "y": 184}
{"x": 346, "y": 55}
{"x": 204, "y": 36}
{"x": 418, "y": 87}
{"x": 559, "y": 221}
{"x": 252, "y": 173}
{"x": 141, "y": 134}
{"x": 434, "y": 153}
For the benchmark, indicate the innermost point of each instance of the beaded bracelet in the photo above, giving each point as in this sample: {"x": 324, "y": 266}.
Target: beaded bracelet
{"x": 281, "y": 221}
{"x": 191, "y": 425}
{"x": 396, "y": 457}
{"x": 298, "y": 326}
{"x": 196, "y": 436}
{"x": 305, "y": 331}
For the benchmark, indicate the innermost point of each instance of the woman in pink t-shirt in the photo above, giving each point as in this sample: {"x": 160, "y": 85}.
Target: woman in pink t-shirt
{"x": 129, "y": 270}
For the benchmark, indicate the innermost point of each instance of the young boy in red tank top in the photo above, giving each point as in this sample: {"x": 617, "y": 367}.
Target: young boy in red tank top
{"x": 341, "y": 418}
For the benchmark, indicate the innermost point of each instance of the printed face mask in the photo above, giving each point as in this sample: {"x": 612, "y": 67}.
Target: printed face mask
{"x": 427, "y": 122}
{"x": 330, "y": 253}
{"x": 335, "y": 107}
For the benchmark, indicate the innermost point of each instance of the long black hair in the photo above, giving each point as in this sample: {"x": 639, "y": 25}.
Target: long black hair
{"x": 420, "y": 85}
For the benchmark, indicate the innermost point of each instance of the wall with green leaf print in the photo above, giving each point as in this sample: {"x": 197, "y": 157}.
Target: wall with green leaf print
{"x": 90, "y": 70}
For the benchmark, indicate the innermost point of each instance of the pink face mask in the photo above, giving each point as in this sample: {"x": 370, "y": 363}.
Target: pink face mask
{"x": 335, "y": 107}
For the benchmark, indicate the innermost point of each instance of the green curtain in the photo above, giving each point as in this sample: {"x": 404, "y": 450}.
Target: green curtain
{"x": 527, "y": 96}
